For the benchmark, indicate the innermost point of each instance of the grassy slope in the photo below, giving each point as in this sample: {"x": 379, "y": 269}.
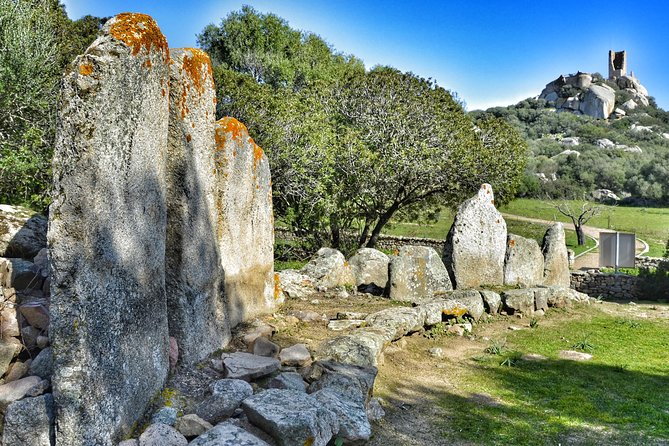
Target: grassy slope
{"x": 620, "y": 397}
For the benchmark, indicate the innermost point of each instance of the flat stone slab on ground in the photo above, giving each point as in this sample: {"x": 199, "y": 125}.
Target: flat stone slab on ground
{"x": 573, "y": 355}
{"x": 227, "y": 434}
{"x": 245, "y": 366}
{"x": 345, "y": 324}
{"x": 297, "y": 355}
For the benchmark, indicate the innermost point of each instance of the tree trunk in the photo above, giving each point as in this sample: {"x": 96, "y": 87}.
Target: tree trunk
{"x": 335, "y": 233}
{"x": 363, "y": 236}
{"x": 383, "y": 220}
{"x": 580, "y": 235}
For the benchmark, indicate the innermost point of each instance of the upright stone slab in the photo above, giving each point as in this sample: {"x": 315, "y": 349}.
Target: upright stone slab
{"x": 417, "y": 273}
{"x": 194, "y": 274}
{"x": 524, "y": 263}
{"x": 556, "y": 259}
{"x": 476, "y": 244}
{"x": 245, "y": 224}
{"x": 107, "y": 224}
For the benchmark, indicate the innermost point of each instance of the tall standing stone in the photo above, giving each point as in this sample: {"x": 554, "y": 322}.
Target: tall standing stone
{"x": 476, "y": 244}
{"x": 107, "y": 234}
{"x": 556, "y": 259}
{"x": 524, "y": 263}
{"x": 245, "y": 224}
{"x": 194, "y": 275}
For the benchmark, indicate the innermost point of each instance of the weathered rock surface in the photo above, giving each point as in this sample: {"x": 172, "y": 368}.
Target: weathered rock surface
{"x": 297, "y": 355}
{"x": 370, "y": 269}
{"x": 573, "y": 355}
{"x": 492, "y": 301}
{"x": 8, "y": 351}
{"x": 288, "y": 380}
{"x": 362, "y": 347}
{"x": 329, "y": 269}
{"x": 162, "y": 435}
{"x": 354, "y": 425}
{"x": 226, "y": 396}
{"x": 476, "y": 244}
{"x": 194, "y": 274}
{"x": 347, "y": 324}
{"x": 191, "y": 425}
{"x": 30, "y": 422}
{"x": 399, "y": 321}
{"x": 556, "y": 260}
{"x": 291, "y": 417}
{"x": 524, "y": 262}
{"x": 227, "y": 434}
{"x": 42, "y": 364}
{"x": 355, "y": 383}
{"x": 245, "y": 366}
{"x": 107, "y": 233}
{"x": 519, "y": 301}
{"x": 264, "y": 347}
{"x": 165, "y": 415}
{"x": 295, "y": 285}
{"x": 417, "y": 273}
{"x": 598, "y": 101}
{"x": 245, "y": 225}
{"x": 22, "y": 232}
{"x": 455, "y": 304}
{"x": 19, "y": 274}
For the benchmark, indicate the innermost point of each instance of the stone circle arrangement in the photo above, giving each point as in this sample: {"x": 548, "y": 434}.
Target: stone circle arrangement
{"x": 160, "y": 242}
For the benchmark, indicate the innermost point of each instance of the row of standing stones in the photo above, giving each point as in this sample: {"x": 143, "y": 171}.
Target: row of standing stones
{"x": 160, "y": 241}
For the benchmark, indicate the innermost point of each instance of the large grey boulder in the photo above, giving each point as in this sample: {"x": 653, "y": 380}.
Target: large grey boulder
{"x": 399, "y": 321}
{"x": 519, "y": 301}
{"x": 370, "y": 269}
{"x": 556, "y": 258}
{"x": 30, "y": 422}
{"x": 354, "y": 427}
{"x": 492, "y": 301}
{"x": 524, "y": 263}
{"x": 291, "y": 417}
{"x": 476, "y": 244}
{"x": 194, "y": 274}
{"x": 329, "y": 269}
{"x": 354, "y": 382}
{"x": 245, "y": 366}
{"x": 226, "y": 396}
{"x": 245, "y": 225}
{"x": 22, "y": 232}
{"x": 294, "y": 285}
{"x": 162, "y": 435}
{"x": 363, "y": 347}
{"x": 106, "y": 235}
{"x": 19, "y": 274}
{"x": 416, "y": 273}
{"x": 455, "y": 304}
{"x": 227, "y": 434}
{"x": 598, "y": 101}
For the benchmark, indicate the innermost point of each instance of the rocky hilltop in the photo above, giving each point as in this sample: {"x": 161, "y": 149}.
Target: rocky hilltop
{"x": 592, "y": 95}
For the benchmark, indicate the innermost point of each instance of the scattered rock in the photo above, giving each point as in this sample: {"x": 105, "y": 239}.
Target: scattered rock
{"x": 16, "y": 390}
{"x": 23, "y": 232}
{"x": 9, "y": 326}
{"x": 349, "y": 315}
{"x": 370, "y": 269}
{"x": 353, "y": 422}
{"x": 291, "y": 417}
{"x": 19, "y": 274}
{"x": 288, "y": 380}
{"x": 294, "y": 284}
{"x": 417, "y": 273}
{"x": 398, "y": 321}
{"x": 36, "y": 314}
{"x": 8, "y": 351}
{"x": 265, "y": 330}
{"x": 309, "y": 316}
{"x": 476, "y": 243}
{"x": 191, "y": 425}
{"x": 329, "y": 269}
{"x": 30, "y": 422}
{"x": 572, "y": 355}
{"x": 347, "y": 324}
{"x": 354, "y": 382}
{"x": 227, "y": 395}
{"x": 264, "y": 347}
{"x": 363, "y": 347}
{"x": 165, "y": 415}
{"x": 42, "y": 364}
{"x": 297, "y": 355}
{"x": 227, "y": 434}
{"x": 519, "y": 301}
{"x": 162, "y": 435}
{"x": 375, "y": 411}
{"x": 492, "y": 301}
{"x": 437, "y": 352}
{"x": 245, "y": 366}
{"x": 17, "y": 370}
{"x": 533, "y": 357}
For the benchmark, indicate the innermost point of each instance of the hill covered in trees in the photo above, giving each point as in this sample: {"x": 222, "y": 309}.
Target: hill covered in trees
{"x": 574, "y": 155}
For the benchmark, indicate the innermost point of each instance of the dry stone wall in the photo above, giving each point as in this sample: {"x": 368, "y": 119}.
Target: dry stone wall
{"x": 606, "y": 285}
{"x": 107, "y": 224}
{"x": 194, "y": 274}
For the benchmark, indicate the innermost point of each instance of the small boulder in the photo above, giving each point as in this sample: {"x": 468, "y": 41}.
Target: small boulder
{"x": 398, "y": 321}
{"x": 36, "y": 314}
{"x": 346, "y": 324}
{"x": 354, "y": 425}
{"x": 294, "y": 285}
{"x": 165, "y": 415}
{"x": 30, "y": 422}
{"x": 573, "y": 355}
{"x": 556, "y": 259}
{"x": 9, "y": 326}
{"x": 264, "y": 347}
{"x": 370, "y": 269}
{"x": 42, "y": 364}
{"x": 417, "y": 273}
{"x": 23, "y": 232}
{"x": 291, "y": 417}
{"x": 8, "y": 351}
{"x": 162, "y": 435}
{"x": 355, "y": 383}
{"x": 245, "y": 366}
{"x": 16, "y": 390}
{"x": 363, "y": 347}
{"x": 227, "y": 434}
{"x": 226, "y": 396}
{"x": 288, "y": 380}
{"x": 492, "y": 301}
{"x": 297, "y": 355}
{"x": 19, "y": 274}
{"x": 191, "y": 425}
{"x": 329, "y": 269}
{"x": 519, "y": 301}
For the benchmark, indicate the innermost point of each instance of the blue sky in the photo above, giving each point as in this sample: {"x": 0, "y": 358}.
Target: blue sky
{"x": 489, "y": 52}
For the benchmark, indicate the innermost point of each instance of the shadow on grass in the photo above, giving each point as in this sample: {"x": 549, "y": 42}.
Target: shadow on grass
{"x": 558, "y": 402}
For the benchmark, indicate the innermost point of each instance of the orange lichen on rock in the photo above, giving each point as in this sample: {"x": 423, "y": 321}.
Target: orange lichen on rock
{"x": 139, "y": 31}
{"x": 257, "y": 154}
{"x": 234, "y": 127}
{"x": 197, "y": 65}
{"x": 188, "y": 137}
{"x": 455, "y": 312}
{"x": 512, "y": 242}
{"x": 277, "y": 286}
{"x": 86, "y": 69}
{"x": 147, "y": 64}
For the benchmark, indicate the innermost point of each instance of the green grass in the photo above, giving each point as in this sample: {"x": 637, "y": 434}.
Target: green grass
{"x": 620, "y": 397}
{"x": 650, "y": 224}
{"x": 280, "y": 265}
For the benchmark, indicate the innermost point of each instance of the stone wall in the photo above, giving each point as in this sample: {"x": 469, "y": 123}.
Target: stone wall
{"x": 595, "y": 283}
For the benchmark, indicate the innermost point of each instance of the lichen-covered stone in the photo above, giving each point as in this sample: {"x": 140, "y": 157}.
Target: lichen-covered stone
{"x": 354, "y": 382}
{"x": 363, "y": 347}
{"x": 399, "y": 321}
{"x": 354, "y": 425}
{"x": 194, "y": 274}
{"x": 491, "y": 300}
{"x": 227, "y": 434}
{"x": 476, "y": 243}
{"x": 519, "y": 301}
{"x": 524, "y": 262}
{"x": 370, "y": 269}
{"x": 245, "y": 224}
{"x": 107, "y": 234}
{"x": 291, "y": 417}
{"x": 226, "y": 396}
{"x": 556, "y": 259}
{"x": 30, "y": 422}
{"x": 417, "y": 272}
{"x": 329, "y": 269}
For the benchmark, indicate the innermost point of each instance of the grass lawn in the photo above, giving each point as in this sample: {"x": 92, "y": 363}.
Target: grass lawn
{"x": 619, "y": 397}
{"x": 650, "y": 224}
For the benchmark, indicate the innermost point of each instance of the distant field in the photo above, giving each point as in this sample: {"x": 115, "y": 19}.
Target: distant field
{"x": 439, "y": 230}
{"x": 650, "y": 224}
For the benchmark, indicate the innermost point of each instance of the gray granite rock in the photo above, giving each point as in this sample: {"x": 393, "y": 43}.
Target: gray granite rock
{"x": 297, "y": 355}
{"x": 30, "y": 422}
{"x": 8, "y": 351}
{"x": 363, "y": 347}
{"x": 476, "y": 243}
{"x": 295, "y": 285}
{"x": 288, "y": 380}
{"x": 492, "y": 301}
{"x": 191, "y": 425}
{"x": 370, "y": 269}
{"x": 165, "y": 415}
{"x": 245, "y": 225}
{"x": 400, "y": 321}
{"x": 16, "y": 390}
{"x": 23, "y": 232}
{"x": 556, "y": 259}
{"x": 291, "y": 417}
{"x": 417, "y": 272}
{"x": 107, "y": 233}
{"x": 524, "y": 262}
{"x": 329, "y": 269}
{"x": 264, "y": 347}
{"x": 193, "y": 274}
{"x": 519, "y": 301}
{"x": 354, "y": 426}
{"x": 227, "y": 434}
{"x": 226, "y": 396}
{"x": 162, "y": 435}
{"x": 42, "y": 364}
{"x": 240, "y": 365}
{"x": 355, "y": 383}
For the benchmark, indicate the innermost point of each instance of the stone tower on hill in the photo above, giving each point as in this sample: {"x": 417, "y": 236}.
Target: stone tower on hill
{"x": 617, "y": 64}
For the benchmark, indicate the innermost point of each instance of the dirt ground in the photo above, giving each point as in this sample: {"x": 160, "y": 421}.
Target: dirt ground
{"x": 409, "y": 376}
